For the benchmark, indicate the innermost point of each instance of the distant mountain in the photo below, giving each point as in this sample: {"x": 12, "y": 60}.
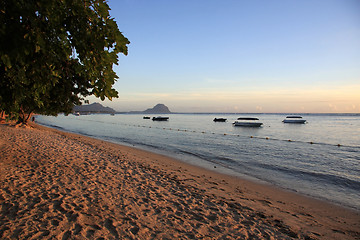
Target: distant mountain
{"x": 93, "y": 108}
{"x": 159, "y": 108}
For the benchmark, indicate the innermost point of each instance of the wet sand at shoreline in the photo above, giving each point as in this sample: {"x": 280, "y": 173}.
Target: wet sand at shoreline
{"x": 57, "y": 185}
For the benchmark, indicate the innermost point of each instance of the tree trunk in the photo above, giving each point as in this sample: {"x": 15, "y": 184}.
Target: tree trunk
{"x": 2, "y": 116}
{"x": 24, "y": 116}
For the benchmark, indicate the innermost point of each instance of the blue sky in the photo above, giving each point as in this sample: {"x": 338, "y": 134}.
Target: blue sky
{"x": 239, "y": 56}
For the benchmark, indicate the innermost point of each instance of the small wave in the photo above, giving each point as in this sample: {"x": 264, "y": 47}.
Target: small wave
{"x": 314, "y": 176}
{"x": 52, "y": 126}
{"x": 193, "y": 154}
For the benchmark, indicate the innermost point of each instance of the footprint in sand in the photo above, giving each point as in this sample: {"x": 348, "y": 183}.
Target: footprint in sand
{"x": 109, "y": 225}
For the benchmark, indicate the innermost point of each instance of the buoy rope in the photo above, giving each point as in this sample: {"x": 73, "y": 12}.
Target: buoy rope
{"x": 214, "y": 133}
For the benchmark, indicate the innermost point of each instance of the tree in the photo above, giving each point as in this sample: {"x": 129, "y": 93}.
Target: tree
{"x": 54, "y": 53}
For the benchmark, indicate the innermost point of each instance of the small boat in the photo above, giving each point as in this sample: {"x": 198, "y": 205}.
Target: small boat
{"x": 146, "y": 117}
{"x": 247, "y": 122}
{"x": 160, "y": 118}
{"x": 219, "y": 119}
{"x": 294, "y": 119}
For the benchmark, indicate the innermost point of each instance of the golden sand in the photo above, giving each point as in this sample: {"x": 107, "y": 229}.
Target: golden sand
{"x": 57, "y": 185}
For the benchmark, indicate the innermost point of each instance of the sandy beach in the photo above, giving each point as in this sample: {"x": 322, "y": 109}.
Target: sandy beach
{"x": 57, "y": 185}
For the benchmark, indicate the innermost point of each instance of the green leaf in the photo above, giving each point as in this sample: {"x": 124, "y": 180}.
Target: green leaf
{"x": 59, "y": 53}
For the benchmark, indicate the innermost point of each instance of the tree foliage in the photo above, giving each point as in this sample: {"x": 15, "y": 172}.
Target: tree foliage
{"x": 53, "y": 53}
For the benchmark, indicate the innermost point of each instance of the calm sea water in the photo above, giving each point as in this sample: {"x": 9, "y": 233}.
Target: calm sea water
{"x": 319, "y": 159}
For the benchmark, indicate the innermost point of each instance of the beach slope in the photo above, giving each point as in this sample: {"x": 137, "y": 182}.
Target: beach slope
{"x": 57, "y": 185}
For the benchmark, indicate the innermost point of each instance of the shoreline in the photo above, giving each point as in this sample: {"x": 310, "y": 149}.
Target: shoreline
{"x": 214, "y": 167}
{"x": 223, "y": 171}
{"x": 133, "y": 193}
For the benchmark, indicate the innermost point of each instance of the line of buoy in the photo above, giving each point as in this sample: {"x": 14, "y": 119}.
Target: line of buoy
{"x": 224, "y": 134}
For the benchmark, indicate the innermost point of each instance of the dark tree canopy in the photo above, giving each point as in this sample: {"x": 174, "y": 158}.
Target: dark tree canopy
{"x": 53, "y": 53}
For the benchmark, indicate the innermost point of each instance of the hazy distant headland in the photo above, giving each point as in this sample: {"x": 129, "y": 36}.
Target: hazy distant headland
{"x": 98, "y": 108}
{"x": 163, "y": 109}
{"x": 93, "y": 108}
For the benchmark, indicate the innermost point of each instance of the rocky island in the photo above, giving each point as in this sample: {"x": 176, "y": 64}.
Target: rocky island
{"x": 157, "y": 109}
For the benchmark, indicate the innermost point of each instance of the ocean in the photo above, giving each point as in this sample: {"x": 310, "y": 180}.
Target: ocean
{"x": 320, "y": 159}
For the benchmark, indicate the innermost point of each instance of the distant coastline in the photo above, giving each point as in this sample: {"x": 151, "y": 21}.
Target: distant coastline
{"x": 245, "y": 113}
{"x": 97, "y": 108}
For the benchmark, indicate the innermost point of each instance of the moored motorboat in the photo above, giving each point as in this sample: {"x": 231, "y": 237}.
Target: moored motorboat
{"x": 219, "y": 119}
{"x": 294, "y": 119}
{"x": 146, "y": 117}
{"x": 160, "y": 118}
{"x": 247, "y": 122}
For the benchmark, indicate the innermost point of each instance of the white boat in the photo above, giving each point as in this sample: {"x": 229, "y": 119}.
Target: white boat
{"x": 294, "y": 119}
{"x": 247, "y": 122}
